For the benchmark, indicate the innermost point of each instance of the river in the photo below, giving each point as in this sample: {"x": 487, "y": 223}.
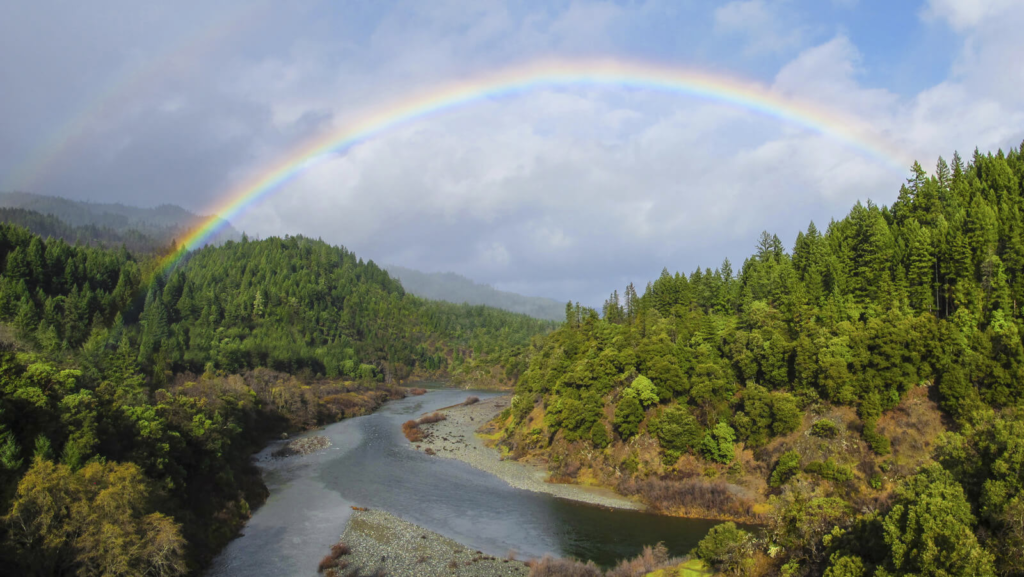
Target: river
{"x": 370, "y": 464}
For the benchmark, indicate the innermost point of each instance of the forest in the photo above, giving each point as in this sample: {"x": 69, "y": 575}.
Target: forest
{"x": 132, "y": 397}
{"x": 861, "y": 395}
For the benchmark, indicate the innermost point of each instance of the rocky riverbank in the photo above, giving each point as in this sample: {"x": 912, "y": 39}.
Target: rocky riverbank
{"x": 382, "y": 542}
{"x": 303, "y": 446}
{"x": 456, "y": 438}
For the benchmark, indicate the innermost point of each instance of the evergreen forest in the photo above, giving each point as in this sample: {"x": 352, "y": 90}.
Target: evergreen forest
{"x": 131, "y": 397}
{"x": 860, "y": 394}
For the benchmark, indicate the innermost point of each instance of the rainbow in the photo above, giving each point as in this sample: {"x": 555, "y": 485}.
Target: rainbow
{"x": 549, "y": 74}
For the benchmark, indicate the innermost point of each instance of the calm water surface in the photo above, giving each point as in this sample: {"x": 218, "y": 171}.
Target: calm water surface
{"x": 370, "y": 464}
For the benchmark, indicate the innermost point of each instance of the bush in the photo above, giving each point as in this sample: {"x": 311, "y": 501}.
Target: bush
{"x": 333, "y": 561}
{"x": 411, "y": 430}
{"x": 677, "y": 431}
{"x": 825, "y": 429}
{"x": 599, "y": 435}
{"x": 549, "y": 566}
{"x": 645, "y": 390}
{"x": 830, "y": 470}
{"x": 628, "y": 415}
{"x": 878, "y": 442}
{"x": 718, "y": 444}
{"x": 726, "y": 548}
{"x": 432, "y": 418}
{"x": 788, "y": 466}
{"x": 694, "y": 496}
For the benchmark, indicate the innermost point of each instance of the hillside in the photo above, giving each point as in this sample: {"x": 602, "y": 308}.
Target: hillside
{"x": 49, "y": 226}
{"x": 136, "y": 403}
{"x": 876, "y": 367}
{"x": 458, "y": 289}
{"x": 163, "y": 223}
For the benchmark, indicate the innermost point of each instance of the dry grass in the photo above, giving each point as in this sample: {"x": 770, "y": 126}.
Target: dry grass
{"x": 549, "y": 566}
{"x": 651, "y": 559}
{"x": 333, "y": 562}
{"x": 411, "y": 430}
{"x": 432, "y": 418}
{"x": 693, "y": 497}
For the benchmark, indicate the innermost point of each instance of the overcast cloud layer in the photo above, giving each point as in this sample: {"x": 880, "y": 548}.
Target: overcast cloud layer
{"x": 567, "y": 193}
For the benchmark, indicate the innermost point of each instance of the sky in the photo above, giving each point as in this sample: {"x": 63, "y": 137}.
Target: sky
{"x": 564, "y": 191}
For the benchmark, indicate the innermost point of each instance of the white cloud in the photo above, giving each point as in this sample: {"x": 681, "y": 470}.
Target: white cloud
{"x": 964, "y": 14}
{"x": 570, "y": 192}
{"x": 762, "y": 23}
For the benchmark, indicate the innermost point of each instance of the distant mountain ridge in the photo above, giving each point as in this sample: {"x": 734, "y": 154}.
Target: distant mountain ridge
{"x": 163, "y": 223}
{"x": 454, "y": 288}
{"x": 49, "y": 226}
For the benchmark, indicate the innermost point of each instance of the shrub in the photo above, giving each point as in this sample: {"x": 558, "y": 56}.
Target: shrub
{"x": 718, "y": 444}
{"x": 726, "y": 548}
{"x": 432, "y": 418}
{"x": 830, "y": 470}
{"x": 677, "y": 431}
{"x": 628, "y": 415}
{"x": 788, "y": 466}
{"x": 411, "y": 430}
{"x": 825, "y": 429}
{"x": 879, "y": 443}
{"x": 599, "y": 435}
{"x": 694, "y": 496}
{"x": 645, "y": 390}
{"x": 549, "y": 566}
{"x": 651, "y": 559}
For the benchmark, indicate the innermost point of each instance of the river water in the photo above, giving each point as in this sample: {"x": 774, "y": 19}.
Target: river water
{"x": 370, "y": 464}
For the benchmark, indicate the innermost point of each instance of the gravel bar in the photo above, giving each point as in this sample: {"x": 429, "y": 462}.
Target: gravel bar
{"x": 379, "y": 540}
{"x": 456, "y": 438}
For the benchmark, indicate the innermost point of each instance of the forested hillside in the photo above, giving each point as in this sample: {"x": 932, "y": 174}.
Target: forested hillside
{"x": 163, "y": 223}
{"x": 860, "y": 394}
{"x": 455, "y": 288}
{"x": 129, "y": 408}
{"x": 46, "y": 226}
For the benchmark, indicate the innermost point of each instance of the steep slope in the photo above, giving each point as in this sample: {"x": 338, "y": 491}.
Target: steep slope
{"x": 880, "y": 360}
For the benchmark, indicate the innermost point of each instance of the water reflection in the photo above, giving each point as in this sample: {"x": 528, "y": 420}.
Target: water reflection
{"x": 370, "y": 464}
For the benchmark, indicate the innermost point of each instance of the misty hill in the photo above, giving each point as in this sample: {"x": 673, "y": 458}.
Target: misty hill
{"x": 454, "y": 288}
{"x": 163, "y": 223}
{"x": 49, "y": 226}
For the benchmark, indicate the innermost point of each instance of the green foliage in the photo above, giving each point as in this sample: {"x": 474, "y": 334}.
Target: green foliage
{"x": 787, "y": 467}
{"x": 9, "y": 451}
{"x": 987, "y": 459}
{"x": 644, "y": 390}
{"x": 717, "y": 444}
{"x": 846, "y": 566}
{"x": 726, "y": 548}
{"x": 825, "y": 429}
{"x": 830, "y": 470}
{"x": 800, "y": 522}
{"x": 599, "y": 435}
{"x": 97, "y": 521}
{"x": 928, "y": 531}
{"x": 628, "y": 415}
{"x": 677, "y": 431}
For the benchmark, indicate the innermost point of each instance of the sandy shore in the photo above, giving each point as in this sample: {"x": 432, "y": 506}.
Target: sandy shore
{"x": 380, "y": 540}
{"x": 456, "y": 438}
